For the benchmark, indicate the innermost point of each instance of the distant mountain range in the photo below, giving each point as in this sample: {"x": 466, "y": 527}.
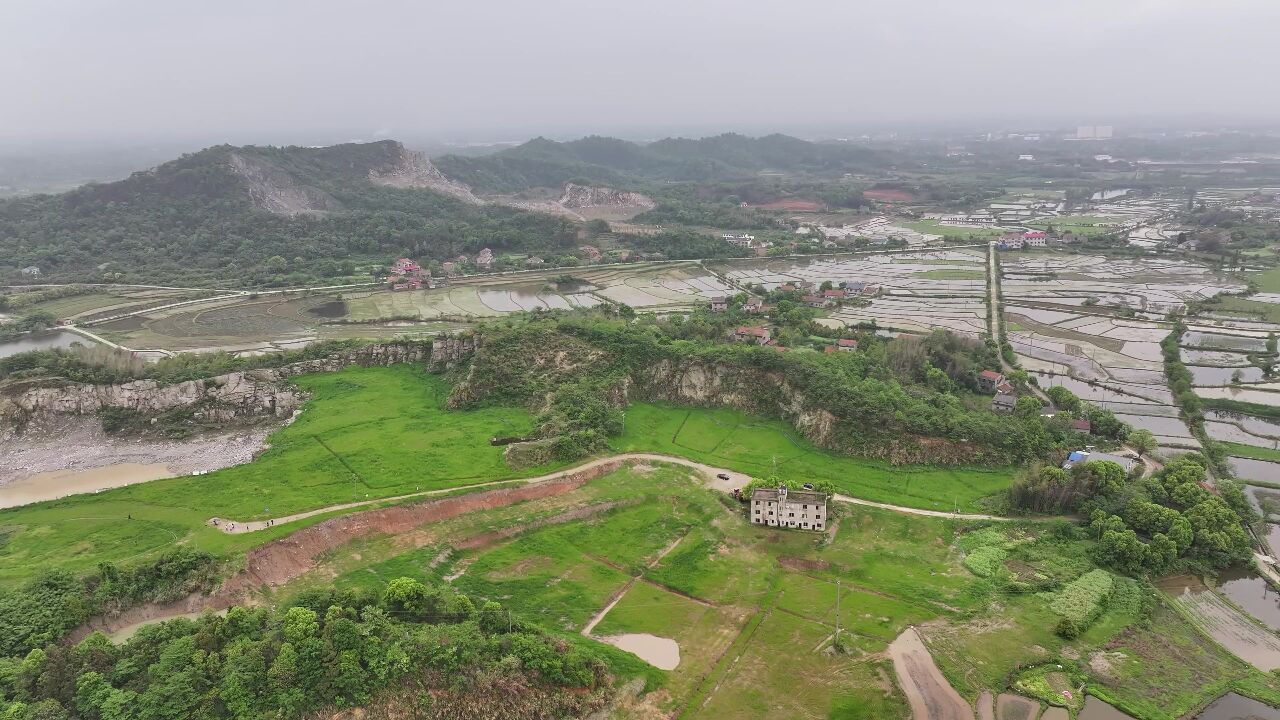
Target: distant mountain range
{"x": 610, "y": 161}
{"x": 287, "y": 215}
{"x": 224, "y": 212}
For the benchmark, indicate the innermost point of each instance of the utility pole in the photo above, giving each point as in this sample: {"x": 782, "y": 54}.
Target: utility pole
{"x": 837, "y": 642}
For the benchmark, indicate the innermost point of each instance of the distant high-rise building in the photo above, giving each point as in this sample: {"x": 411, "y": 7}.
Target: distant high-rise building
{"x": 1093, "y": 132}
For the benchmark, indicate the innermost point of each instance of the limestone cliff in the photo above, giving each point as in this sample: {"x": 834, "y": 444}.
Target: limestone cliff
{"x": 237, "y": 395}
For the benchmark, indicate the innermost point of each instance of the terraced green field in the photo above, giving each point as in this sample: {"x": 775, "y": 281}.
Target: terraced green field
{"x": 727, "y": 438}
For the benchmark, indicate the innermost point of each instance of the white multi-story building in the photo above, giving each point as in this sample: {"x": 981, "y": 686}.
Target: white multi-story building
{"x": 803, "y": 509}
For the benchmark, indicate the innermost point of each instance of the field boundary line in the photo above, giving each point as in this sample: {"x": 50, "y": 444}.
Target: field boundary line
{"x": 341, "y": 460}
{"x": 724, "y": 666}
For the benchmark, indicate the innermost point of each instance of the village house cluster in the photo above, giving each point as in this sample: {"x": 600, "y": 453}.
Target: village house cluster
{"x": 1035, "y": 239}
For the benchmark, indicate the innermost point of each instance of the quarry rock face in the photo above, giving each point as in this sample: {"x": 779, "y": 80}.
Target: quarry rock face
{"x": 415, "y": 170}
{"x": 243, "y": 394}
{"x": 583, "y": 196}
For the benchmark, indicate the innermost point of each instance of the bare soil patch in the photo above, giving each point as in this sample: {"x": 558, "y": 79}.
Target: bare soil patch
{"x": 927, "y": 691}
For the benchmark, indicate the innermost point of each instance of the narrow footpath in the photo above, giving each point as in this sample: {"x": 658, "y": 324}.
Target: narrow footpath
{"x": 711, "y": 474}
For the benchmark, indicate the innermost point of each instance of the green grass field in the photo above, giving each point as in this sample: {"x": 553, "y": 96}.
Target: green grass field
{"x": 1251, "y": 451}
{"x": 367, "y": 433}
{"x": 753, "y": 609}
{"x": 1269, "y": 312}
{"x": 728, "y": 438}
{"x": 936, "y": 228}
{"x": 1267, "y": 280}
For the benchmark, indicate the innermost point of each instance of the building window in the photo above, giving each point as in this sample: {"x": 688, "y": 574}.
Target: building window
{"x": 771, "y": 512}
{"x": 791, "y": 514}
{"x": 757, "y": 511}
{"x": 817, "y": 526}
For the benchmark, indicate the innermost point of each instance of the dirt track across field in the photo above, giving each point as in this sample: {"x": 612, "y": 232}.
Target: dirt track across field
{"x": 736, "y": 479}
{"x": 930, "y": 695}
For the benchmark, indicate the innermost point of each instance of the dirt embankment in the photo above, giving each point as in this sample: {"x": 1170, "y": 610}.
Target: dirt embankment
{"x": 282, "y": 560}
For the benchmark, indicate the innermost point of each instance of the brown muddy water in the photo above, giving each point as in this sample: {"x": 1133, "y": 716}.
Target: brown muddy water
{"x": 61, "y": 483}
{"x": 662, "y": 653}
{"x": 1252, "y": 593}
{"x": 1095, "y": 709}
{"x": 1238, "y": 707}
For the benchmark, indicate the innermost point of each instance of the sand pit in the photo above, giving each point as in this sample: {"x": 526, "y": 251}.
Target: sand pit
{"x": 928, "y": 692}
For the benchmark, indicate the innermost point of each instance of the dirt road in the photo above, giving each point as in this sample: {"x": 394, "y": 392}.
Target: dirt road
{"x": 930, "y": 695}
{"x": 736, "y": 480}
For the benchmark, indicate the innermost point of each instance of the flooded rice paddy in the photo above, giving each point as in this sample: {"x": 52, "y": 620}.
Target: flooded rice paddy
{"x": 1256, "y": 470}
{"x": 1095, "y": 709}
{"x": 1253, "y": 594}
{"x": 1229, "y": 627}
{"x": 1238, "y": 707}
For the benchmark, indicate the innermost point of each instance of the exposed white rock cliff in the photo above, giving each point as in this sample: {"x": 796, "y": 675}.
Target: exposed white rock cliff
{"x": 275, "y": 191}
{"x": 583, "y": 196}
{"x": 246, "y": 394}
{"x": 415, "y": 170}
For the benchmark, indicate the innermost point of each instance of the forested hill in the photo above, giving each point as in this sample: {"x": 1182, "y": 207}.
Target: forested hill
{"x": 609, "y": 161}
{"x": 261, "y": 215}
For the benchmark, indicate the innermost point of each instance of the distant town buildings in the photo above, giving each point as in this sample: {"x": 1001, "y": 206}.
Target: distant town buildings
{"x": 719, "y": 303}
{"x": 1094, "y": 132}
{"x": 801, "y": 509}
{"x": 484, "y": 260}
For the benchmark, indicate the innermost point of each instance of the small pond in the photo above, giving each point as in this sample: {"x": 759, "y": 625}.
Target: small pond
{"x": 1238, "y": 707}
{"x": 46, "y": 340}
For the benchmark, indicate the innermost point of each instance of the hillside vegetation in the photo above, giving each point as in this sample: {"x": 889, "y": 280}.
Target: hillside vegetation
{"x": 609, "y": 161}
{"x": 260, "y": 215}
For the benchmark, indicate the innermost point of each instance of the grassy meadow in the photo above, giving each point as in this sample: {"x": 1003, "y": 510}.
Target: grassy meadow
{"x": 753, "y": 609}
{"x": 367, "y": 433}
{"x": 735, "y": 440}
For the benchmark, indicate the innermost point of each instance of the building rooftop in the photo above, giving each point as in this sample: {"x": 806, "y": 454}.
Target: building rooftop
{"x": 800, "y": 496}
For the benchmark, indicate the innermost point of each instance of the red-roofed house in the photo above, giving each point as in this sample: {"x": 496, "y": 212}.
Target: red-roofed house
{"x": 1035, "y": 238}
{"x": 758, "y": 335}
{"x": 989, "y": 380}
{"x": 1081, "y": 425}
{"x": 847, "y": 345}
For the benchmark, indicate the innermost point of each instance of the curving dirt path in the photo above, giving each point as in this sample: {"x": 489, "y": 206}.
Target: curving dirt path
{"x": 736, "y": 479}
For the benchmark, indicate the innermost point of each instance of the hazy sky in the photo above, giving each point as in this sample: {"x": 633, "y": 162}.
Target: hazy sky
{"x": 492, "y": 69}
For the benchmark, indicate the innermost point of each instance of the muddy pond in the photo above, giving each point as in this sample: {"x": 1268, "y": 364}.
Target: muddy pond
{"x": 1238, "y": 707}
{"x": 1252, "y": 593}
{"x": 61, "y": 483}
{"x": 1095, "y": 709}
{"x": 662, "y": 653}
{"x": 47, "y": 340}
